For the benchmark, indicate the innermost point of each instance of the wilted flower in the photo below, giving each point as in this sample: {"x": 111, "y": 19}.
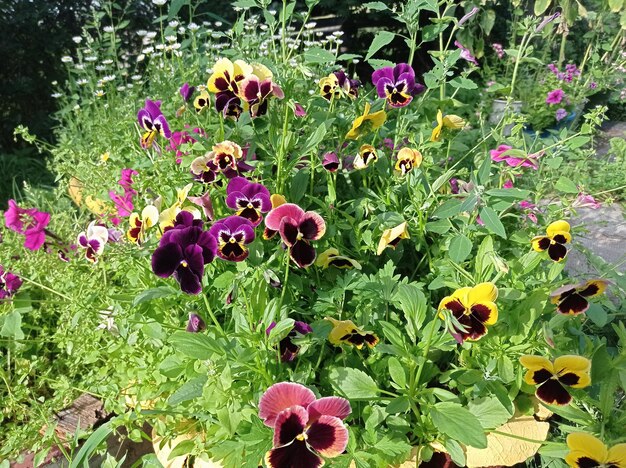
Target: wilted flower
{"x": 553, "y": 377}
{"x": 346, "y": 332}
{"x": 396, "y": 84}
{"x": 298, "y": 110}
{"x": 331, "y": 162}
{"x": 205, "y": 203}
{"x": 195, "y": 323}
{"x": 29, "y": 222}
{"x": 367, "y": 155}
{"x": 305, "y": 428}
{"x": 366, "y": 123}
{"x": 558, "y": 234}
{"x": 473, "y": 309}
{"x": 466, "y": 54}
{"x": 467, "y": 16}
{"x": 330, "y": 257}
{"x": 451, "y": 121}
{"x": 93, "y": 241}
{"x": 408, "y": 159}
{"x": 571, "y": 299}
{"x": 547, "y": 20}
{"x": 186, "y": 91}
{"x": 588, "y": 451}
{"x": 586, "y": 201}
{"x": 9, "y": 283}
{"x": 288, "y": 349}
{"x": 560, "y": 114}
{"x": 153, "y": 121}
{"x": 392, "y": 237}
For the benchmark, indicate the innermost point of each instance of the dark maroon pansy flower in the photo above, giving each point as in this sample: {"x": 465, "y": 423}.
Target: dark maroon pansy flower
{"x": 256, "y": 93}
{"x": 228, "y": 104}
{"x": 195, "y": 324}
{"x": 396, "y": 84}
{"x": 233, "y": 234}
{"x": 289, "y": 350}
{"x": 186, "y": 91}
{"x": 183, "y": 251}
{"x": 297, "y": 229}
{"x": 331, "y": 162}
{"x": 248, "y": 198}
{"x": 29, "y": 222}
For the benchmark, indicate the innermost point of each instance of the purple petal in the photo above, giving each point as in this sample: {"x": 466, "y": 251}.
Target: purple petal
{"x": 330, "y": 406}
{"x": 166, "y": 259}
{"x": 188, "y": 280}
{"x": 237, "y": 184}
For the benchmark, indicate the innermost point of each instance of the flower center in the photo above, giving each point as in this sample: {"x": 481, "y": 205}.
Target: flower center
{"x": 299, "y": 236}
{"x": 302, "y": 436}
{"x": 184, "y": 264}
{"x": 232, "y": 240}
{"x": 250, "y": 205}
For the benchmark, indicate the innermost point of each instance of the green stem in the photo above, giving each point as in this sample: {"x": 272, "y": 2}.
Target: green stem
{"x": 46, "y": 288}
{"x": 212, "y": 315}
{"x": 281, "y": 152}
{"x": 284, "y": 31}
{"x": 282, "y": 294}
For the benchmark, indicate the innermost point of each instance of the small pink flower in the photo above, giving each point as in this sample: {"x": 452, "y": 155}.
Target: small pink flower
{"x": 586, "y": 201}
{"x": 508, "y": 184}
{"x": 299, "y": 111}
{"x": 30, "y": 222}
{"x": 480, "y": 221}
{"x": 503, "y": 154}
{"x": 555, "y": 96}
{"x": 466, "y": 54}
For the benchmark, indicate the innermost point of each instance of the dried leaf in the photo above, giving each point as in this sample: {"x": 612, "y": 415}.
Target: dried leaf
{"x": 75, "y": 190}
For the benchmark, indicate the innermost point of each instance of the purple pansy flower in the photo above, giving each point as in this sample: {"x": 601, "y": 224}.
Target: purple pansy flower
{"x": 248, "y": 198}
{"x": 153, "y": 121}
{"x": 305, "y": 428}
{"x": 183, "y": 251}
{"x": 396, "y": 84}
{"x": 30, "y": 222}
{"x": 93, "y": 241}
{"x": 466, "y": 54}
{"x": 195, "y": 324}
{"x": 289, "y": 350}
{"x": 297, "y": 229}
{"x": 9, "y": 283}
{"x": 331, "y": 162}
{"x": 233, "y": 234}
{"x": 560, "y": 114}
{"x": 555, "y": 96}
{"x": 186, "y": 91}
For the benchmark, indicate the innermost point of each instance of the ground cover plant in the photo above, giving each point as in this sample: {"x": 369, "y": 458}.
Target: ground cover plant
{"x": 273, "y": 262}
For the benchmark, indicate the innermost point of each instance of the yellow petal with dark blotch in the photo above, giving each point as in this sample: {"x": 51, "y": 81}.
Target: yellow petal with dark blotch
{"x": 453, "y": 121}
{"x": 462, "y": 294}
{"x": 261, "y": 71}
{"x": 340, "y": 329}
{"x": 558, "y": 226}
{"x": 617, "y": 455}
{"x": 221, "y": 68}
{"x": 482, "y": 292}
{"x": 539, "y": 242}
{"x": 592, "y": 288}
{"x": 323, "y": 259}
{"x": 585, "y": 445}
{"x": 564, "y": 234}
{"x": 486, "y": 311}
{"x": 242, "y": 69}
{"x": 389, "y": 235}
{"x": 571, "y": 363}
{"x": 442, "y": 306}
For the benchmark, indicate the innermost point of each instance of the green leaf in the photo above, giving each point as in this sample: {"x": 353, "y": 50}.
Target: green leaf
{"x": 299, "y": 184}
{"x": 447, "y": 209}
{"x": 175, "y": 7}
{"x": 457, "y": 454}
{"x": 597, "y": 314}
{"x": 380, "y": 63}
{"x": 487, "y": 20}
{"x": 541, "y": 6}
{"x": 565, "y": 185}
{"x": 492, "y": 222}
{"x": 458, "y": 423}
{"x": 484, "y": 171}
{"x": 153, "y": 293}
{"x": 188, "y": 391}
{"x": 463, "y": 83}
{"x": 460, "y": 248}
{"x": 12, "y": 326}
{"x": 245, "y": 4}
{"x": 398, "y": 405}
{"x": 396, "y": 371}
{"x": 616, "y": 5}
{"x": 489, "y": 411}
{"x": 514, "y": 193}
{"x": 314, "y": 140}
{"x": 578, "y": 141}
{"x": 441, "y": 226}
{"x": 442, "y": 179}
{"x": 194, "y": 345}
{"x": 414, "y": 304}
{"x": 353, "y": 383}
{"x": 381, "y": 39}
{"x": 281, "y": 330}
{"x": 81, "y": 459}
{"x": 318, "y": 55}
{"x": 182, "y": 448}
{"x": 376, "y": 6}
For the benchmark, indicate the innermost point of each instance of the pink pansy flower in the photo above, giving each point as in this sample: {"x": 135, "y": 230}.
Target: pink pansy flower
{"x": 555, "y": 96}
{"x": 305, "y": 428}
{"x": 514, "y": 158}
{"x": 30, "y": 222}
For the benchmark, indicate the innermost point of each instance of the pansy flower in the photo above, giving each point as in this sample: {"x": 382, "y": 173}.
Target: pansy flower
{"x": 183, "y": 251}
{"x": 204, "y": 169}
{"x": 557, "y": 236}
{"x": 587, "y": 451}
{"x": 297, "y": 229}
{"x": 152, "y": 120}
{"x": 396, "y": 84}
{"x": 93, "y": 241}
{"x": 473, "y": 309}
{"x": 288, "y": 349}
{"x": 367, "y": 155}
{"x": 276, "y": 200}
{"x": 226, "y": 154}
{"x": 140, "y": 224}
{"x": 330, "y": 257}
{"x": 391, "y": 237}
{"x": 305, "y": 428}
{"x": 29, "y": 222}
{"x": 331, "y": 162}
{"x": 572, "y": 299}
{"x": 407, "y": 160}
{"x": 224, "y": 82}
{"x": 257, "y": 88}
{"x": 195, "y": 323}
{"x": 451, "y": 121}
{"x": 233, "y": 234}
{"x": 337, "y": 85}
{"x": 250, "y": 199}
{"x": 9, "y": 283}
{"x": 366, "y": 123}
{"x": 204, "y": 201}
{"x": 186, "y": 91}
{"x": 202, "y": 101}
{"x": 346, "y": 332}
{"x": 553, "y": 377}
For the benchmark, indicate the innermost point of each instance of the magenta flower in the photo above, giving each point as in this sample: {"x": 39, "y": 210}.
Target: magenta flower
{"x": 152, "y": 120}
{"x": 124, "y": 203}
{"x": 298, "y": 110}
{"x": 233, "y": 234}
{"x": 183, "y": 251}
{"x": 331, "y": 162}
{"x": 186, "y": 91}
{"x": 179, "y": 138}
{"x": 305, "y": 428}
{"x": 195, "y": 324}
{"x": 514, "y": 158}
{"x": 288, "y": 349}
{"x": 508, "y": 184}
{"x": 10, "y": 283}
{"x": 555, "y": 96}
{"x": 466, "y": 54}
{"x": 30, "y": 222}
{"x": 248, "y": 198}
{"x": 396, "y": 84}
{"x": 297, "y": 229}
{"x": 530, "y": 209}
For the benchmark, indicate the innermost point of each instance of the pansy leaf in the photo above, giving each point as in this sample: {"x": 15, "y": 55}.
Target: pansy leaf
{"x": 381, "y": 39}
{"x": 194, "y": 345}
{"x": 489, "y": 411}
{"x": 353, "y": 383}
{"x": 457, "y": 422}
{"x": 318, "y": 55}
{"x": 463, "y": 83}
{"x": 396, "y": 371}
{"x": 188, "y": 391}
{"x": 460, "y": 248}
{"x": 153, "y": 293}
{"x": 492, "y": 222}
{"x": 597, "y": 314}
{"x": 566, "y": 185}
{"x": 448, "y": 209}
{"x": 376, "y": 6}
{"x": 455, "y": 451}
{"x": 541, "y": 6}
{"x": 484, "y": 171}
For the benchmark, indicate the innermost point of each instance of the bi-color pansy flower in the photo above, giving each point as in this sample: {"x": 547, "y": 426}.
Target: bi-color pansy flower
{"x": 558, "y": 234}
{"x": 297, "y": 229}
{"x": 305, "y": 428}
{"x": 9, "y": 283}
{"x": 587, "y": 451}
{"x": 330, "y": 257}
{"x": 337, "y": 85}
{"x": 346, "y": 332}
{"x": 140, "y": 224}
{"x": 553, "y": 377}
{"x": 473, "y": 309}
{"x": 396, "y": 84}
{"x": 257, "y": 88}
{"x": 233, "y": 234}
{"x": 93, "y": 241}
{"x": 276, "y": 199}
{"x": 152, "y": 120}
{"x": 250, "y": 199}
{"x": 331, "y": 162}
{"x": 183, "y": 251}
{"x": 367, "y": 155}
{"x": 391, "y": 237}
{"x": 450, "y": 121}
{"x": 407, "y": 160}
{"x": 366, "y": 123}
{"x": 202, "y": 101}
{"x": 572, "y": 299}
{"x": 288, "y": 349}
{"x": 224, "y": 82}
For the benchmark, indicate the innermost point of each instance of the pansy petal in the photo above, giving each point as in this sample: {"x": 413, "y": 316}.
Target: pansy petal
{"x": 302, "y": 253}
{"x": 188, "y": 280}
{"x": 587, "y": 445}
{"x": 574, "y": 304}
{"x": 582, "y": 459}
{"x": 540, "y": 243}
{"x": 295, "y": 454}
{"x": 237, "y": 184}
{"x": 571, "y": 362}
{"x": 553, "y": 393}
{"x": 617, "y": 455}
{"x": 557, "y": 226}
{"x": 330, "y": 406}
{"x": 452, "y": 304}
{"x": 281, "y": 396}
{"x": 166, "y": 259}
{"x": 483, "y": 292}
{"x": 562, "y": 237}
{"x": 486, "y": 312}
{"x": 592, "y": 288}
{"x": 289, "y": 231}
{"x": 536, "y": 362}
{"x": 290, "y": 423}
{"x": 312, "y": 226}
{"x": 274, "y": 217}
{"x": 328, "y": 436}
{"x": 557, "y": 252}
